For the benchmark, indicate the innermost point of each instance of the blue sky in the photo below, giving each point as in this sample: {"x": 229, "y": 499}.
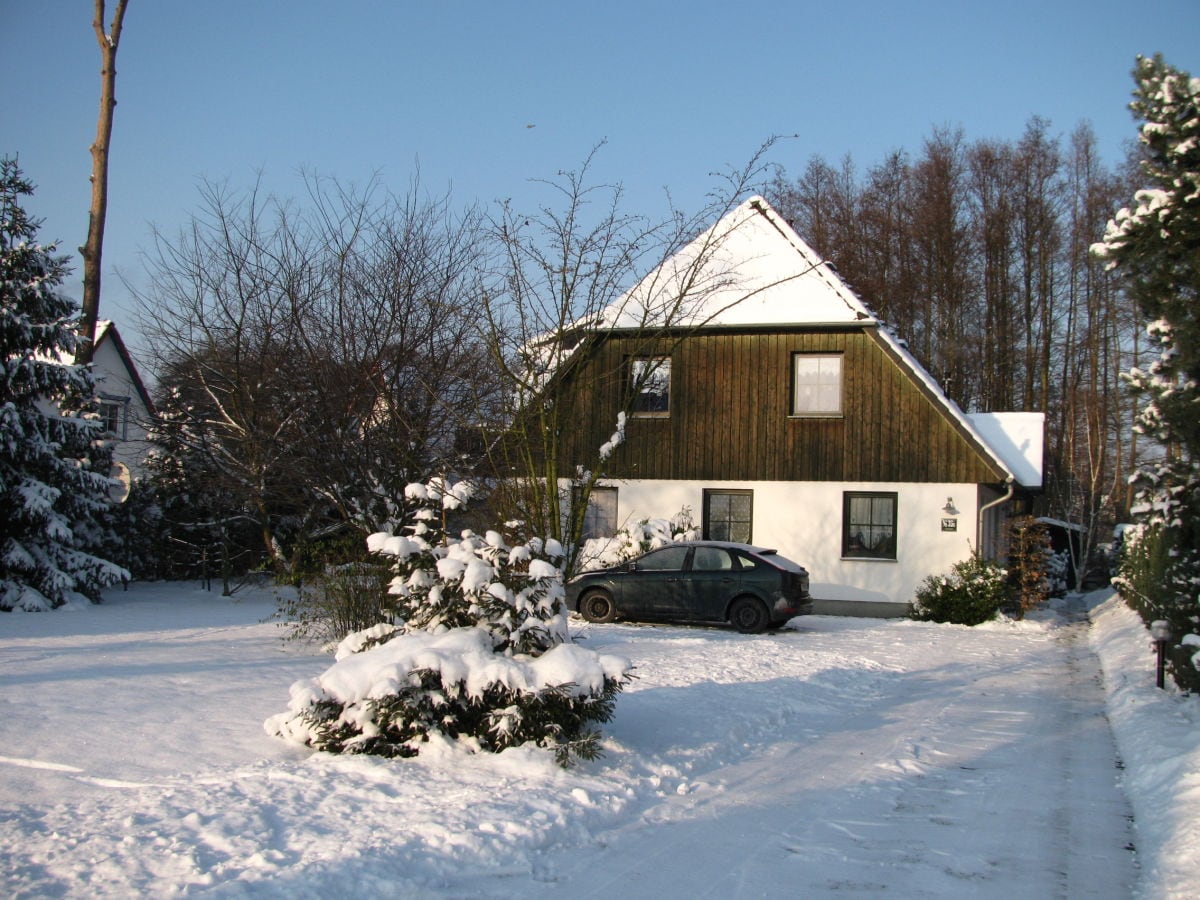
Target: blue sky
{"x": 226, "y": 89}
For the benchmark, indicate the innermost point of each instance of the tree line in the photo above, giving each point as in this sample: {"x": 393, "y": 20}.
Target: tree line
{"x": 314, "y": 357}
{"x": 977, "y": 254}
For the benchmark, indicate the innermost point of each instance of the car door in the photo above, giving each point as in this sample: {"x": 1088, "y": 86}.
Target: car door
{"x": 655, "y": 585}
{"x": 711, "y": 583}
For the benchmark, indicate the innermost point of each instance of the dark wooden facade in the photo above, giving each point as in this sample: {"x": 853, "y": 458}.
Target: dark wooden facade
{"x": 730, "y": 413}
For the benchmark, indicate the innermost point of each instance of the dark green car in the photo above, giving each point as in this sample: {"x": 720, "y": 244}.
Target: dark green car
{"x": 703, "y": 581}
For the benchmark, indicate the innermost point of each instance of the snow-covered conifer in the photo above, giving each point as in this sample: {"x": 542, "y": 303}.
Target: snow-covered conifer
{"x": 54, "y": 484}
{"x": 1155, "y": 245}
{"x": 479, "y": 650}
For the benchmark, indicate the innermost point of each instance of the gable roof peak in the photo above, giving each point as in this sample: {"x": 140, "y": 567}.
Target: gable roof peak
{"x": 749, "y": 268}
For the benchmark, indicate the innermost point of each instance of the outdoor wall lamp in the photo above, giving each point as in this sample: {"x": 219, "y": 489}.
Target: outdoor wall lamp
{"x": 1160, "y": 632}
{"x": 949, "y": 509}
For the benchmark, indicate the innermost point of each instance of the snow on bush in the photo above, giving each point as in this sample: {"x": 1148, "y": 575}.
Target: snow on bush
{"x": 480, "y": 652}
{"x": 636, "y": 539}
{"x": 974, "y": 592}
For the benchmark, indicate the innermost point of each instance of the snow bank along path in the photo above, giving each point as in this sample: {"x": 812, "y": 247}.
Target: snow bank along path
{"x": 845, "y": 755}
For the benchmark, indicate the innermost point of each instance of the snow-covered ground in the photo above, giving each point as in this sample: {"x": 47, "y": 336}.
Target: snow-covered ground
{"x": 842, "y": 756}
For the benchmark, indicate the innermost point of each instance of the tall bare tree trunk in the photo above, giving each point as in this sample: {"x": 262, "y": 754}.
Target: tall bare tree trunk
{"x": 93, "y": 249}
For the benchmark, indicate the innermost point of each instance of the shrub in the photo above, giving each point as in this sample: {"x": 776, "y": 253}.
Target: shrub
{"x": 478, "y": 652}
{"x": 1029, "y": 560}
{"x": 974, "y": 591}
{"x": 340, "y": 601}
{"x": 1144, "y": 581}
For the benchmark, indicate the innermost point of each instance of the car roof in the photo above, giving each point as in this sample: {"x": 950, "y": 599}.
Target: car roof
{"x": 728, "y": 545}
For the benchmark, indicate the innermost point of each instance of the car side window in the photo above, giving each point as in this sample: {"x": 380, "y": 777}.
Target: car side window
{"x": 743, "y": 563}
{"x": 711, "y": 559}
{"x": 667, "y": 559}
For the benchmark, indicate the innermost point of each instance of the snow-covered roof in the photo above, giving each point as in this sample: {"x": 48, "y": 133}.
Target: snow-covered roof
{"x": 750, "y": 268}
{"x": 1017, "y": 438}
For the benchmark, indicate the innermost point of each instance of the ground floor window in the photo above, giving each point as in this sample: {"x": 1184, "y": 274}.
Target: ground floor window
{"x": 728, "y": 515}
{"x": 868, "y": 525}
{"x": 600, "y": 519}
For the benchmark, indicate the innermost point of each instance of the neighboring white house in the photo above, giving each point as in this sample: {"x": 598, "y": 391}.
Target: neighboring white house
{"x": 125, "y": 405}
{"x": 785, "y": 414}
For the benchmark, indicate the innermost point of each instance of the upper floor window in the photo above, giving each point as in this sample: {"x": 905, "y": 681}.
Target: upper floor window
{"x": 816, "y": 384}
{"x": 868, "y": 525}
{"x": 650, "y": 378}
{"x": 112, "y": 419}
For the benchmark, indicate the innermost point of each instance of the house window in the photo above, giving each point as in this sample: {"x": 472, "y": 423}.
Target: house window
{"x": 728, "y": 515}
{"x": 650, "y": 378}
{"x": 816, "y": 384}
{"x": 600, "y": 519}
{"x": 110, "y": 418}
{"x": 868, "y": 525}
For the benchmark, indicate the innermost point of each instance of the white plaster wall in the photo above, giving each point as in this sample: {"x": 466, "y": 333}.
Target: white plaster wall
{"x": 803, "y": 521}
{"x": 112, "y": 379}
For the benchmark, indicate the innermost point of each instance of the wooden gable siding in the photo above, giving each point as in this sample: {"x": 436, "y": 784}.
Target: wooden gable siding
{"x": 730, "y": 415}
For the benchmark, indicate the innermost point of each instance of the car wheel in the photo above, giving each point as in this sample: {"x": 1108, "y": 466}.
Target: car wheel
{"x": 749, "y": 616}
{"x": 597, "y": 606}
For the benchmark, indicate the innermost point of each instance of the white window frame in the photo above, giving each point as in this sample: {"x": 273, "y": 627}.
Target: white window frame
{"x": 116, "y": 418}
{"x": 822, "y": 395}
{"x": 639, "y": 380}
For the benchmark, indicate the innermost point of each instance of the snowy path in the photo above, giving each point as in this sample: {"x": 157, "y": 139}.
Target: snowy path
{"x": 991, "y": 774}
{"x": 846, "y": 757}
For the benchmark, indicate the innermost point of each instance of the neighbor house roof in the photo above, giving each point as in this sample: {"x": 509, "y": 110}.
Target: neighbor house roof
{"x": 106, "y": 330}
{"x": 1018, "y": 437}
{"x": 751, "y": 269}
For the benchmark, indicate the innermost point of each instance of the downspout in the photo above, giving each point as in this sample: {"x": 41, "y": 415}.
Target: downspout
{"x": 1008, "y": 495}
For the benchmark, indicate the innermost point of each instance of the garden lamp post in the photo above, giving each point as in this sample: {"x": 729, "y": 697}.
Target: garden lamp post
{"x": 1160, "y": 632}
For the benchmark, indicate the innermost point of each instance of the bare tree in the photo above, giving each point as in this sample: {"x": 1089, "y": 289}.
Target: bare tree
{"x": 92, "y": 251}
{"x": 322, "y": 354}
{"x": 977, "y": 254}
{"x": 562, "y": 279}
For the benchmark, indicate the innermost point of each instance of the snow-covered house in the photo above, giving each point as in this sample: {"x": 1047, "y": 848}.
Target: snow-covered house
{"x": 785, "y": 414}
{"x": 125, "y": 404}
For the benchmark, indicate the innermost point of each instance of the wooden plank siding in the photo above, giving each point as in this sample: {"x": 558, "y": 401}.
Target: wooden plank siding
{"x": 730, "y": 419}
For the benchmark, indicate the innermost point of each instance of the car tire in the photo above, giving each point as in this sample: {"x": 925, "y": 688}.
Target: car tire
{"x": 749, "y": 616}
{"x": 597, "y": 606}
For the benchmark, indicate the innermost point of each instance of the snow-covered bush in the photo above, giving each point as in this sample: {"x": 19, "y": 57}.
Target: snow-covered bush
{"x": 1058, "y": 572}
{"x": 974, "y": 592}
{"x": 636, "y": 539}
{"x": 479, "y": 652}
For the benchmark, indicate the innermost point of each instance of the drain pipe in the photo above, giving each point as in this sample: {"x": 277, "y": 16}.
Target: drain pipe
{"x": 1008, "y": 495}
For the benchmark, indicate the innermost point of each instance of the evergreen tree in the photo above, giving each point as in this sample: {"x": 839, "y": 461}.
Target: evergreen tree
{"x": 479, "y": 651}
{"x": 54, "y": 484}
{"x": 1155, "y": 246}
